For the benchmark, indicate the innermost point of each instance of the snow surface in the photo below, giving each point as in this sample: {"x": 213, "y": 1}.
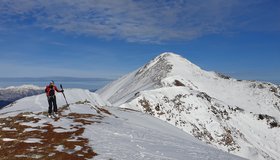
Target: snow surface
{"x": 124, "y": 134}
{"x": 217, "y": 109}
{"x": 8, "y": 129}
{"x": 33, "y": 140}
{"x": 8, "y": 139}
{"x": 136, "y": 135}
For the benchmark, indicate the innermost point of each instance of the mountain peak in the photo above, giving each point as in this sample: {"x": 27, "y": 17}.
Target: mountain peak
{"x": 170, "y": 57}
{"x": 174, "y": 58}
{"x": 175, "y": 61}
{"x": 153, "y": 75}
{"x": 168, "y": 54}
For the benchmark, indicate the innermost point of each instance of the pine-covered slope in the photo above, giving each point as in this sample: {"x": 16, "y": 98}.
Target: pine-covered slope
{"x": 241, "y": 117}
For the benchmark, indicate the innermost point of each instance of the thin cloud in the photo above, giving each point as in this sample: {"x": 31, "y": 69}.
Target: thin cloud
{"x": 134, "y": 21}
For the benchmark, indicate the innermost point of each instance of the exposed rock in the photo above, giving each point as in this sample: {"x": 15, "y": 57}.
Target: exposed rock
{"x": 271, "y": 121}
{"x": 178, "y": 83}
{"x": 146, "y": 105}
{"x": 223, "y": 76}
{"x": 204, "y": 95}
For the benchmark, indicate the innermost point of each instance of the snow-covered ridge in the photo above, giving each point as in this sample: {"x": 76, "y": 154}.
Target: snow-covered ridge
{"x": 39, "y": 103}
{"x": 89, "y": 129}
{"x": 241, "y": 117}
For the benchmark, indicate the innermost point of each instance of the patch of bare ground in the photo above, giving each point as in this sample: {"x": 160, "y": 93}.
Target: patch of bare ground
{"x": 49, "y": 144}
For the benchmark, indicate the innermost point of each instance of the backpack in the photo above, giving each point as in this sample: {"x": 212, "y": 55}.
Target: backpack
{"x": 51, "y": 92}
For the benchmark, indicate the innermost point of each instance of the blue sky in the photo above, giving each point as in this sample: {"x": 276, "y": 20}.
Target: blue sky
{"x": 104, "y": 38}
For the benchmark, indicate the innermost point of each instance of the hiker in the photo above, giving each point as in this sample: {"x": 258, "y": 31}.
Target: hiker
{"x": 50, "y": 92}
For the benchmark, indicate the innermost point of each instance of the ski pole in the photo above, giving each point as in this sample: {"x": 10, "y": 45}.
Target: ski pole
{"x": 65, "y": 97}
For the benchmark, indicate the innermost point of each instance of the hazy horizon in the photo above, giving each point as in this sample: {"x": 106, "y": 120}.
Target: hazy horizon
{"x": 72, "y": 82}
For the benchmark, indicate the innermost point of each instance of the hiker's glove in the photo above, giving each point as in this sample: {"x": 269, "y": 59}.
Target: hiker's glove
{"x": 62, "y": 90}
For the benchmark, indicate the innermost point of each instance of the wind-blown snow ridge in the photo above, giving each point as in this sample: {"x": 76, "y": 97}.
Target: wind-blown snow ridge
{"x": 241, "y": 117}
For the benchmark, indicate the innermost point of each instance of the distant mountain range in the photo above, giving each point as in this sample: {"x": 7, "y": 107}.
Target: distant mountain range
{"x": 68, "y": 82}
{"x": 17, "y": 88}
{"x": 11, "y": 94}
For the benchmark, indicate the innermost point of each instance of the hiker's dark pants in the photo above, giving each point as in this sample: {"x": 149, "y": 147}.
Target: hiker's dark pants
{"x": 52, "y": 104}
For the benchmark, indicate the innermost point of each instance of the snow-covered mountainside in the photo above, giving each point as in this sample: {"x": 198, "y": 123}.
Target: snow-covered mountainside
{"x": 89, "y": 129}
{"x": 241, "y": 117}
{"x": 11, "y": 94}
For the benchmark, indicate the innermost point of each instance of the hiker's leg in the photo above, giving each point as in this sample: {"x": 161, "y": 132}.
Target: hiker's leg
{"x": 54, "y": 104}
{"x": 50, "y": 105}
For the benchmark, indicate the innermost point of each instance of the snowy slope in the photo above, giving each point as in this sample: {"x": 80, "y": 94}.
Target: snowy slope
{"x": 241, "y": 117}
{"x": 147, "y": 77}
{"x": 39, "y": 103}
{"x": 90, "y": 130}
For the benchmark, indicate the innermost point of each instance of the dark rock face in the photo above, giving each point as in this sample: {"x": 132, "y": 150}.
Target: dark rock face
{"x": 271, "y": 121}
{"x": 178, "y": 83}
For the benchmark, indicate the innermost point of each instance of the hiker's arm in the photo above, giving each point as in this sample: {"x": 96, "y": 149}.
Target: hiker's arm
{"x": 58, "y": 89}
{"x": 46, "y": 90}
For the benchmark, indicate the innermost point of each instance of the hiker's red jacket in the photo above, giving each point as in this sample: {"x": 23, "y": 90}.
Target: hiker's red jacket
{"x": 48, "y": 88}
